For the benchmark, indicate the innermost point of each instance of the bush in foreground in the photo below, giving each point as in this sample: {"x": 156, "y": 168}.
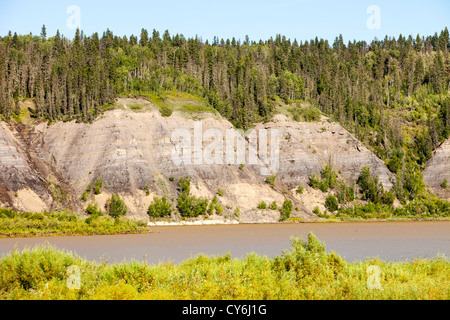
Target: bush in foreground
{"x": 306, "y": 271}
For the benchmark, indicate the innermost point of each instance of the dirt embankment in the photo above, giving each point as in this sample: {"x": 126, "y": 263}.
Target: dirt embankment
{"x": 48, "y": 167}
{"x": 438, "y": 170}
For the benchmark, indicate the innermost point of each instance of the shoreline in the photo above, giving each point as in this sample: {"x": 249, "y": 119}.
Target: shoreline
{"x": 291, "y": 221}
{"x": 157, "y": 224}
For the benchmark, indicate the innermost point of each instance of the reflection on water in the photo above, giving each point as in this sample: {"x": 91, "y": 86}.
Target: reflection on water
{"x": 391, "y": 241}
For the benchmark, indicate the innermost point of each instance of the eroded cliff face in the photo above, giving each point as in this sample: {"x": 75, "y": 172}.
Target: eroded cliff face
{"x": 132, "y": 152}
{"x": 438, "y": 169}
{"x": 27, "y": 182}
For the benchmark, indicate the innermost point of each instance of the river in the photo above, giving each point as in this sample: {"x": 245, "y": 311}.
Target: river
{"x": 354, "y": 241}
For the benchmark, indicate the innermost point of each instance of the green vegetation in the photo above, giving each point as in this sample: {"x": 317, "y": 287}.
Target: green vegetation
{"x": 316, "y": 211}
{"x": 444, "y": 184}
{"x": 344, "y": 193}
{"x": 116, "y": 207}
{"x": 219, "y": 209}
{"x": 374, "y": 202}
{"x": 212, "y": 206}
{"x": 15, "y": 224}
{"x": 93, "y": 210}
{"x": 372, "y": 189}
{"x": 262, "y": 205}
{"x": 85, "y": 195}
{"x": 220, "y": 192}
{"x": 328, "y": 179}
{"x": 190, "y": 206}
{"x": 299, "y": 189}
{"x": 422, "y": 208}
{"x": 331, "y": 203}
{"x": 305, "y": 272}
{"x": 136, "y": 107}
{"x": 160, "y": 208}
{"x": 400, "y": 110}
{"x": 165, "y": 111}
{"x": 273, "y": 206}
{"x": 286, "y": 210}
{"x": 98, "y": 186}
{"x": 271, "y": 180}
{"x": 306, "y": 113}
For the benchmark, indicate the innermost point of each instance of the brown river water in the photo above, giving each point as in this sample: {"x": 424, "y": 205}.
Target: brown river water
{"x": 354, "y": 241}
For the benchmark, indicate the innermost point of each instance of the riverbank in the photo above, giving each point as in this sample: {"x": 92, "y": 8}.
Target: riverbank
{"x": 307, "y": 271}
{"x": 24, "y": 225}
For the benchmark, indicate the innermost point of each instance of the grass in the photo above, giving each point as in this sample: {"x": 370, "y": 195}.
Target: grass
{"x": 14, "y": 224}
{"x": 306, "y": 271}
{"x": 187, "y": 104}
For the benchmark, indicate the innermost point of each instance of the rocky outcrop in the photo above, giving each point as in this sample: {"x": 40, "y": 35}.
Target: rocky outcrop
{"x": 132, "y": 152}
{"x": 21, "y": 186}
{"x": 438, "y": 169}
{"x": 307, "y": 146}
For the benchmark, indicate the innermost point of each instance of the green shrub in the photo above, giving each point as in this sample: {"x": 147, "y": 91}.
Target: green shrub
{"x": 262, "y": 205}
{"x": 323, "y": 185}
{"x": 444, "y": 184}
{"x": 190, "y": 206}
{"x": 86, "y": 193}
{"x": 98, "y": 186}
{"x": 308, "y": 114}
{"x": 344, "y": 193}
{"x": 372, "y": 189}
{"x": 299, "y": 189}
{"x": 165, "y": 111}
{"x": 273, "y": 206}
{"x": 212, "y": 205}
{"x": 116, "y": 207}
{"x": 429, "y": 206}
{"x": 93, "y": 210}
{"x": 220, "y": 192}
{"x": 271, "y": 180}
{"x": 286, "y": 209}
{"x": 160, "y": 208}
{"x": 306, "y": 271}
{"x": 330, "y": 176}
{"x": 84, "y": 196}
{"x": 314, "y": 181}
{"x": 219, "y": 209}
{"x": 331, "y": 203}
{"x": 7, "y": 213}
{"x": 184, "y": 184}
{"x": 328, "y": 179}
{"x": 27, "y": 269}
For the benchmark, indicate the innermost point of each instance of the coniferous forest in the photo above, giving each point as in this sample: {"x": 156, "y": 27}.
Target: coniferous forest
{"x": 393, "y": 94}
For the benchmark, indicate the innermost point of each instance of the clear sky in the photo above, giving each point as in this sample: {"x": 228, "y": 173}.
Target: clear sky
{"x": 259, "y": 19}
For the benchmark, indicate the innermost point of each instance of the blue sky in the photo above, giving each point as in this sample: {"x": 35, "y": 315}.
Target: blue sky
{"x": 260, "y": 19}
